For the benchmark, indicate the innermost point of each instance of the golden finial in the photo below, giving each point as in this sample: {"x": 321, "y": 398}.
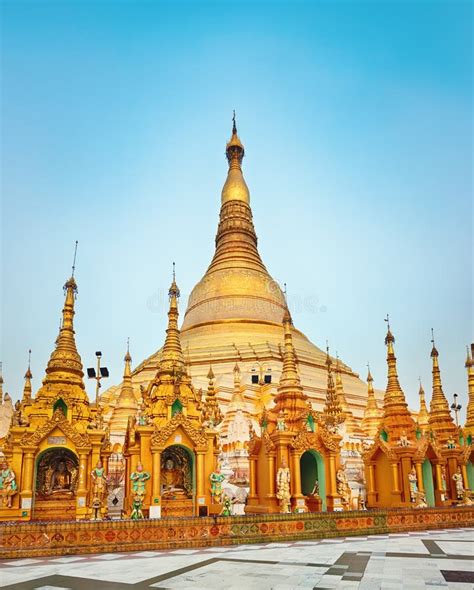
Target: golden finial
{"x": 1, "y": 372}
{"x": 210, "y": 374}
{"x": 127, "y": 357}
{"x": 434, "y": 351}
{"x": 74, "y": 259}
{"x": 389, "y": 337}
{"x": 234, "y": 126}
{"x": 369, "y": 374}
{"x": 285, "y": 293}
{"x": 28, "y": 374}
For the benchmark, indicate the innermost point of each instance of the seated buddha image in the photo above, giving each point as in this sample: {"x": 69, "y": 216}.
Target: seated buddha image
{"x": 172, "y": 479}
{"x": 61, "y": 479}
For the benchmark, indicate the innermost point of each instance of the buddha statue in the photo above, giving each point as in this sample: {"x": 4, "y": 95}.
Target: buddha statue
{"x": 172, "y": 479}
{"x": 61, "y": 479}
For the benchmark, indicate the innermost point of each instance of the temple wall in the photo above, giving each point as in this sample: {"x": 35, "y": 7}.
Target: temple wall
{"x": 56, "y": 538}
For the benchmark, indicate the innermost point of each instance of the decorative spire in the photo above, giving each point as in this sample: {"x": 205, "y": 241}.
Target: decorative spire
{"x": 211, "y": 413}
{"x": 469, "y": 426}
{"x": 396, "y": 418}
{"x": 372, "y": 413}
{"x": 236, "y": 274}
{"x": 341, "y": 397}
{"x": 332, "y": 413}
{"x": 65, "y": 365}
{"x": 289, "y": 372}
{"x": 237, "y": 399}
{"x": 1, "y": 383}
{"x": 235, "y": 188}
{"x": 172, "y": 358}
{"x": 440, "y": 420}
{"x": 394, "y": 399}
{"x": 27, "y": 390}
{"x": 423, "y": 414}
{"x": 127, "y": 397}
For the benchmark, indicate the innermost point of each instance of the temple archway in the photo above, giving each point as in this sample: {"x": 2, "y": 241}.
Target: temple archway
{"x": 177, "y": 481}
{"x": 383, "y": 479}
{"x": 56, "y": 474}
{"x": 312, "y": 470}
{"x": 428, "y": 483}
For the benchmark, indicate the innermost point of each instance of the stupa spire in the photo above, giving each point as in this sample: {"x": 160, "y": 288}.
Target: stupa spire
{"x": 235, "y": 188}
{"x": 469, "y": 426}
{"x": 172, "y": 358}
{"x": 65, "y": 365}
{"x": 127, "y": 397}
{"x": 341, "y": 397}
{"x": 289, "y": 372}
{"x": 211, "y": 413}
{"x": 372, "y": 413}
{"x": 332, "y": 413}
{"x": 440, "y": 420}
{"x": 27, "y": 390}
{"x": 423, "y": 414}
{"x": 236, "y": 285}
{"x": 396, "y": 416}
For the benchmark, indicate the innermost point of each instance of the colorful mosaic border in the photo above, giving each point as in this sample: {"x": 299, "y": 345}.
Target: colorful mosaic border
{"x": 67, "y": 538}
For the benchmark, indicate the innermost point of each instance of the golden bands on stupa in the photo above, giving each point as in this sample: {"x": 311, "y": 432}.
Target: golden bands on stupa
{"x": 236, "y": 412}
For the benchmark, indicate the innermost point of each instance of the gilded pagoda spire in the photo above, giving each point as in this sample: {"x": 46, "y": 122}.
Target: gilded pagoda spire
{"x": 290, "y": 398}
{"x": 332, "y": 413}
{"x": 341, "y": 397}
{"x": 236, "y": 278}
{"x": 423, "y": 414}
{"x": 396, "y": 416}
{"x": 235, "y": 187}
{"x": 172, "y": 358}
{"x": 372, "y": 412}
{"x": 127, "y": 397}
{"x": 289, "y": 372}
{"x": 211, "y": 413}
{"x": 65, "y": 364}
{"x": 126, "y": 403}
{"x": 440, "y": 420}
{"x": 469, "y": 426}
{"x": 27, "y": 390}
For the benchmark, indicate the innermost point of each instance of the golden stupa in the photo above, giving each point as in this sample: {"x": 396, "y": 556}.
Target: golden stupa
{"x": 234, "y": 315}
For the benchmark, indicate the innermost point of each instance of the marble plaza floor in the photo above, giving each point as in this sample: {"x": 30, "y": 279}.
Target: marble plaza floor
{"x": 432, "y": 559}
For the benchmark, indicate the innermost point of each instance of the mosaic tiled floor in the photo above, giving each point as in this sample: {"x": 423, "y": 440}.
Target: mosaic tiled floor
{"x": 434, "y": 559}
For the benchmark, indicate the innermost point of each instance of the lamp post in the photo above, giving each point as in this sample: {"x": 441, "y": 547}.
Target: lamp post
{"x": 456, "y": 407}
{"x": 102, "y": 372}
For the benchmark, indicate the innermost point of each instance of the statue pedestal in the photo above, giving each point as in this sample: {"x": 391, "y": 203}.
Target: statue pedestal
{"x": 177, "y": 507}
{"x": 215, "y": 509}
{"x": 314, "y": 503}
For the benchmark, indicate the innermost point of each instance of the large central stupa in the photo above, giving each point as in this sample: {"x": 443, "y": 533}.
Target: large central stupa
{"x": 235, "y": 313}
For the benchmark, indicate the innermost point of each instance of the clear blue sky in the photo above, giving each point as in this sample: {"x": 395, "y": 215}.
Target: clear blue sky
{"x": 357, "y": 122}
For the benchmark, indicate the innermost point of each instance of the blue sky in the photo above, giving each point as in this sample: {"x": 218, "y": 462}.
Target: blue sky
{"x": 357, "y": 123}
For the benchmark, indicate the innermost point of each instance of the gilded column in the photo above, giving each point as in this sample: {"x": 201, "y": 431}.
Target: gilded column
{"x": 252, "y": 478}
{"x": 156, "y": 475}
{"x": 395, "y": 478}
{"x": 28, "y": 462}
{"x": 296, "y": 475}
{"x": 271, "y": 476}
{"x": 371, "y": 479}
{"x": 464, "y": 477}
{"x": 332, "y": 475}
{"x": 200, "y": 474}
{"x": 82, "y": 478}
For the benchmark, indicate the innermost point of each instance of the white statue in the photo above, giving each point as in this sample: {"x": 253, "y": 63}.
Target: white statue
{"x": 283, "y": 487}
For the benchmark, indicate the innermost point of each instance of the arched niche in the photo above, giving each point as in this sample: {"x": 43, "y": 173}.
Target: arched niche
{"x": 428, "y": 483}
{"x": 312, "y": 470}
